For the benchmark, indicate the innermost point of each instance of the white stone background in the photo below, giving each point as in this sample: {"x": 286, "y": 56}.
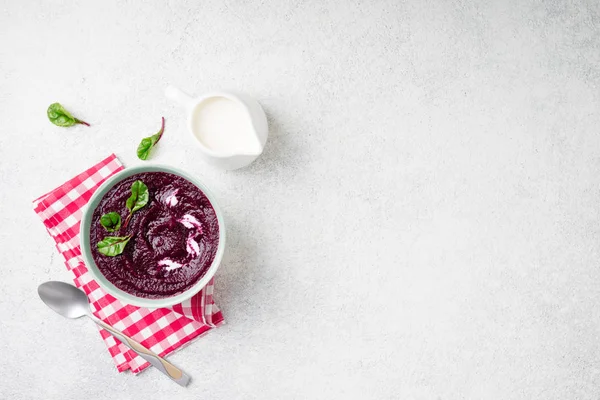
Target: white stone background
{"x": 423, "y": 223}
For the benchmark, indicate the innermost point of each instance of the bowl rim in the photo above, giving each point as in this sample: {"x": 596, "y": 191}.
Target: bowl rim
{"x": 84, "y": 235}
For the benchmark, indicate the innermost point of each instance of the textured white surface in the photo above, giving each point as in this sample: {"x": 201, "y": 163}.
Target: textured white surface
{"x": 423, "y": 224}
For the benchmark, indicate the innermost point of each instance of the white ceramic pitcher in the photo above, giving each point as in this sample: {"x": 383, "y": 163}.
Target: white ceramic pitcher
{"x": 255, "y": 117}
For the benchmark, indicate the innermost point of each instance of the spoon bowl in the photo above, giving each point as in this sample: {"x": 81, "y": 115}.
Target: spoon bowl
{"x": 65, "y": 299}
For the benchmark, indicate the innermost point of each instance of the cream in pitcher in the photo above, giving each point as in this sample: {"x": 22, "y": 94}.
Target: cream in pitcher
{"x": 223, "y": 125}
{"x": 230, "y": 129}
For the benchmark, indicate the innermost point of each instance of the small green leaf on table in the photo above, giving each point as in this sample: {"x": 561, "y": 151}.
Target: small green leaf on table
{"x": 59, "y": 116}
{"x": 147, "y": 144}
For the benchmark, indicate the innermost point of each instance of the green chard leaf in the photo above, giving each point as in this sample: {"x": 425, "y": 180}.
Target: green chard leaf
{"x": 147, "y": 144}
{"x": 111, "y": 221}
{"x": 139, "y": 196}
{"x": 138, "y": 199}
{"x": 59, "y": 116}
{"x": 113, "y": 245}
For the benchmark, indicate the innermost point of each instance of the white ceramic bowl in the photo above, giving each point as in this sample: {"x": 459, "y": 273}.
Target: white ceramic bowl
{"x": 112, "y": 289}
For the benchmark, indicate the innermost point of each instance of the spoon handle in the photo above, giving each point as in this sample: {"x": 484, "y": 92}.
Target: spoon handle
{"x": 157, "y": 361}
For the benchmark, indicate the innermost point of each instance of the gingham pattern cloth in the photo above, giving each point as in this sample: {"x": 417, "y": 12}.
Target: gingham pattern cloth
{"x": 162, "y": 330}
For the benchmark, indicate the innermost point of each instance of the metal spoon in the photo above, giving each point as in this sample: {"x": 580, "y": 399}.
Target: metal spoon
{"x": 71, "y": 302}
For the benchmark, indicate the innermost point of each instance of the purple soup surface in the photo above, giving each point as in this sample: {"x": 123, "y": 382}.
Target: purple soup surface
{"x": 174, "y": 237}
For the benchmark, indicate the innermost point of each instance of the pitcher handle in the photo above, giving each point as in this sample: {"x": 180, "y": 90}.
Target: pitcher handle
{"x": 179, "y": 97}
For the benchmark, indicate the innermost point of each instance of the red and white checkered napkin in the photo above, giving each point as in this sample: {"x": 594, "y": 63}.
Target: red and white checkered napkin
{"x": 162, "y": 330}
